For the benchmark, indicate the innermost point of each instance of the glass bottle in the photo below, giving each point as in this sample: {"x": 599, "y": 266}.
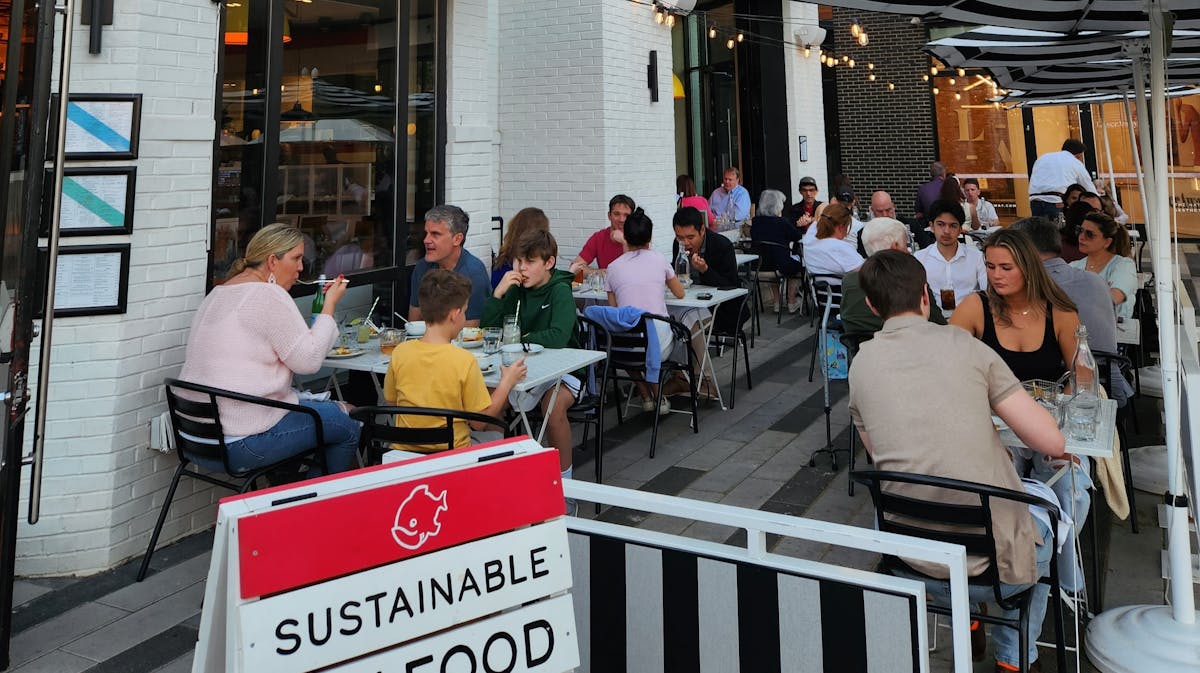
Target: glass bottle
{"x": 318, "y": 302}
{"x": 1084, "y": 405}
{"x": 683, "y": 268}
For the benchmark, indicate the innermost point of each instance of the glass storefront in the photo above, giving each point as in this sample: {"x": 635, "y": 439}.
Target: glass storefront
{"x": 311, "y": 129}
{"x": 709, "y": 111}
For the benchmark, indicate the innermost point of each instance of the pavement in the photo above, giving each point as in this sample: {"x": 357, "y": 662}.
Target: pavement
{"x": 754, "y": 455}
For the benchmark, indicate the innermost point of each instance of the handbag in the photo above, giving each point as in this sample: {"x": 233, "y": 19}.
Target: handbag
{"x": 835, "y": 359}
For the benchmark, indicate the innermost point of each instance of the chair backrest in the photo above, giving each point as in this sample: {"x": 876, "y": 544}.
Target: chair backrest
{"x": 854, "y": 340}
{"x": 593, "y": 336}
{"x": 726, "y": 326}
{"x": 628, "y": 351}
{"x": 770, "y": 254}
{"x": 827, "y": 293}
{"x": 969, "y": 525}
{"x": 378, "y": 435}
{"x": 195, "y": 423}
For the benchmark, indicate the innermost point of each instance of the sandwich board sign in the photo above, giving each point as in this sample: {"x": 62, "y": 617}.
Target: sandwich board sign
{"x": 453, "y": 562}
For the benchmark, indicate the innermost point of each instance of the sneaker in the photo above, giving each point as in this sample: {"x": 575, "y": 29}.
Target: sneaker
{"x": 793, "y": 307}
{"x": 978, "y": 641}
{"x": 648, "y": 404}
{"x": 775, "y": 307}
{"x": 664, "y": 408}
{"x": 1034, "y": 667}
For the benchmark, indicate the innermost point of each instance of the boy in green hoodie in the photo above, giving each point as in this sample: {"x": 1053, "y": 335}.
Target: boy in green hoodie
{"x": 541, "y": 298}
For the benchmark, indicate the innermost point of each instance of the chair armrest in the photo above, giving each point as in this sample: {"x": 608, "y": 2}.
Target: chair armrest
{"x": 367, "y": 414}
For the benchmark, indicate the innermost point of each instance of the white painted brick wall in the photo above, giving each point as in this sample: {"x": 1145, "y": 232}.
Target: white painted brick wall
{"x": 806, "y": 116}
{"x": 103, "y": 487}
{"x": 576, "y": 122}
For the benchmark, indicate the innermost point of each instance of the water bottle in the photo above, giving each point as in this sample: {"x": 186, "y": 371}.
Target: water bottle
{"x": 318, "y": 302}
{"x": 683, "y": 268}
{"x": 1084, "y": 405}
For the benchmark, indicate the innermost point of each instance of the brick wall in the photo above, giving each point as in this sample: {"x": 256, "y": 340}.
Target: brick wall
{"x": 887, "y": 137}
{"x": 102, "y": 486}
{"x": 576, "y": 122}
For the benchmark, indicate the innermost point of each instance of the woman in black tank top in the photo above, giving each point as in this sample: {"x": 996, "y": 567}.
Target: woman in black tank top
{"x": 1023, "y": 308}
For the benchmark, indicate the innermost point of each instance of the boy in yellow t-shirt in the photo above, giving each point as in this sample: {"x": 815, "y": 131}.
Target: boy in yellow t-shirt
{"x": 434, "y": 373}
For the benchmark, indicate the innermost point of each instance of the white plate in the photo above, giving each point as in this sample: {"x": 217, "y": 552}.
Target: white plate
{"x": 332, "y": 355}
{"x": 487, "y": 367}
{"x": 519, "y": 348}
{"x": 468, "y": 344}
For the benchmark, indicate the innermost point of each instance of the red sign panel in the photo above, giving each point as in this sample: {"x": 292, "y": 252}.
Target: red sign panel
{"x": 310, "y": 542}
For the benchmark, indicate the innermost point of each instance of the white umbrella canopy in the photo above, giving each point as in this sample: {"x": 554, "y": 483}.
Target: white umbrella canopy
{"x": 1145, "y": 638}
{"x": 992, "y": 46}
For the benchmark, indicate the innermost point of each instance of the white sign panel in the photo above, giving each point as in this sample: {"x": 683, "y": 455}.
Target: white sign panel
{"x": 537, "y": 638}
{"x": 350, "y": 616}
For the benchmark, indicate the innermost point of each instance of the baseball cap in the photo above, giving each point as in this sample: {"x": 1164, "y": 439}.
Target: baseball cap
{"x": 807, "y": 180}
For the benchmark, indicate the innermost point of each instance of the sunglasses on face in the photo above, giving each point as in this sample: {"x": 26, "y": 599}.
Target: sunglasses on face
{"x": 1089, "y": 234}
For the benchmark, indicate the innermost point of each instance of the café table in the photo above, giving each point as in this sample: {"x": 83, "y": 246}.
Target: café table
{"x": 690, "y": 300}
{"x": 745, "y": 258}
{"x": 550, "y": 364}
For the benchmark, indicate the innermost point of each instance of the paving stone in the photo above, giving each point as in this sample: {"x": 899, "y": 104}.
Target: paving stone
{"x": 24, "y": 591}
{"x": 711, "y": 454}
{"x": 181, "y": 665}
{"x": 159, "y": 585}
{"x": 725, "y": 476}
{"x": 751, "y": 493}
{"x": 57, "y": 662}
{"x": 712, "y": 532}
{"x": 665, "y": 524}
{"x": 127, "y": 632}
{"x": 53, "y": 633}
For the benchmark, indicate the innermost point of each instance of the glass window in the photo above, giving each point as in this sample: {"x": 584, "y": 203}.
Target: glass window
{"x": 980, "y": 139}
{"x": 310, "y": 125}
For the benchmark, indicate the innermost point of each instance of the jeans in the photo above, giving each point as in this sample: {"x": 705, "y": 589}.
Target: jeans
{"x": 1045, "y": 209}
{"x": 293, "y": 434}
{"x": 1006, "y": 640}
{"x": 1075, "y": 505}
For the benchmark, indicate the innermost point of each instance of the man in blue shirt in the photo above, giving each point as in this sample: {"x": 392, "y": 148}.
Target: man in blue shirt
{"x": 445, "y": 232}
{"x": 730, "y": 201}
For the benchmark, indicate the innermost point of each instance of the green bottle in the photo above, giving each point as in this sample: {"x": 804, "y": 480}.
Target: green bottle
{"x": 318, "y": 301}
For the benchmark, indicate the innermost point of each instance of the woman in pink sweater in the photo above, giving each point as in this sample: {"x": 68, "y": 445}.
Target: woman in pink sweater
{"x": 249, "y": 337}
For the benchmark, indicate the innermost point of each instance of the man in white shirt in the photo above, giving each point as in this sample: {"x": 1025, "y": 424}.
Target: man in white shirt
{"x": 979, "y": 212}
{"x": 730, "y": 202}
{"x": 1051, "y": 175}
{"x": 951, "y": 266}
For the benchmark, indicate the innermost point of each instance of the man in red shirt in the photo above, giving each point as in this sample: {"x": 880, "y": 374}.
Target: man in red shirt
{"x": 607, "y": 244}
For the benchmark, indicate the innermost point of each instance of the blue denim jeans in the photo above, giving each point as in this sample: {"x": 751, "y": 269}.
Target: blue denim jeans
{"x": 1075, "y": 503}
{"x": 1005, "y": 639}
{"x": 1044, "y": 209}
{"x": 293, "y": 434}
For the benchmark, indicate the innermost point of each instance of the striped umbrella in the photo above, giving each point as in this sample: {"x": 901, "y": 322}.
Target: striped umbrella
{"x": 1062, "y": 16}
{"x": 996, "y": 46}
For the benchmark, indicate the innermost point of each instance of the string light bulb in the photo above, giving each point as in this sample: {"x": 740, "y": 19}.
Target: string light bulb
{"x": 845, "y": 59}
{"x": 741, "y": 37}
{"x": 870, "y": 66}
{"x": 924, "y": 78}
{"x": 935, "y": 91}
{"x": 712, "y": 32}
{"x": 807, "y": 51}
{"x": 871, "y": 77}
{"x": 863, "y": 40}
{"x": 670, "y": 20}
{"x": 953, "y": 81}
{"x": 933, "y": 70}
{"x": 855, "y": 29}
{"x": 730, "y": 43}
{"x": 996, "y": 105}
{"x": 961, "y": 72}
{"x": 850, "y": 63}
{"x": 957, "y": 96}
{"x": 891, "y": 87}
{"x": 658, "y": 17}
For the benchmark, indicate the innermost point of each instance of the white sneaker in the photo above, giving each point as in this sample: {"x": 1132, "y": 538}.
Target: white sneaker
{"x": 792, "y": 308}
{"x": 647, "y": 404}
{"x": 664, "y": 408}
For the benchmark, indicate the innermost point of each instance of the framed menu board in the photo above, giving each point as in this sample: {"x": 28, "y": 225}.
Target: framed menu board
{"x": 96, "y": 201}
{"x": 90, "y": 279}
{"x": 100, "y": 126}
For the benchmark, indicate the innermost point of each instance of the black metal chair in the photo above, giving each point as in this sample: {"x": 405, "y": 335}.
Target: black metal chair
{"x": 769, "y": 254}
{"x": 749, "y": 274}
{"x": 627, "y": 362}
{"x": 589, "y": 408}
{"x": 379, "y": 435}
{"x": 200, "y": 443}
{"x": 852, "y": 341}
{"x": 724, "y": 333}
{"x": 969, "y": 525}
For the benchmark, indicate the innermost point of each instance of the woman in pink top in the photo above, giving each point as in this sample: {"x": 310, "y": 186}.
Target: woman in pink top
{"x": 686, "y": 188}
{"x": 249, "y": 337}
{"x": 639, "y": 278}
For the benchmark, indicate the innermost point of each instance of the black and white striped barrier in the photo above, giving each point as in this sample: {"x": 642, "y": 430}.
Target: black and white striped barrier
{"x": 647, "y": 602}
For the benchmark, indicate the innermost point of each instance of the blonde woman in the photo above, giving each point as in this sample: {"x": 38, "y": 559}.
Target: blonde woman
{"x": 248, "y": 336}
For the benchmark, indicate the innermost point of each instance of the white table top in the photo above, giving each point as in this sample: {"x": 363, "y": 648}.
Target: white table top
{"x": 1100, "y": 447}
{"x": 745, "y": 258}
{"x": 548, "y": 365}
{"x": 689, "y": 300}
{"x": 1129, "y": 331}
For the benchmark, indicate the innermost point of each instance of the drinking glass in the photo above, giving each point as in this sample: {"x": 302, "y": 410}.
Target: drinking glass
{"x": 1049, "y": 395}
{"x": 491, "y": 340}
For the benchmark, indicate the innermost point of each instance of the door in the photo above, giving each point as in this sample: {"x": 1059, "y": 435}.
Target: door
{"x": 26, "y": 40}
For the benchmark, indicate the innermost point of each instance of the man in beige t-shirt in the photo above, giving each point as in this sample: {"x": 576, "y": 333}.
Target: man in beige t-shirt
{"x": 922, "y": 395}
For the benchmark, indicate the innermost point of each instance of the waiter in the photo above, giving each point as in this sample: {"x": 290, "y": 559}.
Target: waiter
{"x": 1051, "y": 175}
